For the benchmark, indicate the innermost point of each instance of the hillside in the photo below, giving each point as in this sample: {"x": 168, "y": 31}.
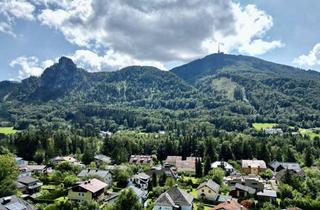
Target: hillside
{"x": 220, "y": 91}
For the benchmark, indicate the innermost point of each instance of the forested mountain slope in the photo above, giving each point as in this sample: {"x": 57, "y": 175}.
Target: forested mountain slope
{"x": 220, "y": 91}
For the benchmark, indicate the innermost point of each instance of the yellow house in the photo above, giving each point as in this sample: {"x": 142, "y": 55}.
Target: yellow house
{"x": 92, "y": 189}
{"x": 208, "y": 190}
{"x": 253, "y": 166}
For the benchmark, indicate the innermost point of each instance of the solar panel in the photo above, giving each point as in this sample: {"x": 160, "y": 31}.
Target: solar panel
{"x": 16, "y": 206}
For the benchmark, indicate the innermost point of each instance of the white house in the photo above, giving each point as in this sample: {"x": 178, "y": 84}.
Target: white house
{"x": 208, "y": 190}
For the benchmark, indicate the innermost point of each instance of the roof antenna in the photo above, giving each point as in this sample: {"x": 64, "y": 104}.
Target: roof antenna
{"x": 218, "y": 47}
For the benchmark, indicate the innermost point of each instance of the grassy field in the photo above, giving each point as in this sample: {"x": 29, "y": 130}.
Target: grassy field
{"x": 7, "y": 130}
{"x": 309, "y": 132}
{"x": 261, "y": 126}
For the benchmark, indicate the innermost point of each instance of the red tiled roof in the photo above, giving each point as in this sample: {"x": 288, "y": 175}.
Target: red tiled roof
{"x": 229, "y": 205}
{"x": 93, "y": 185}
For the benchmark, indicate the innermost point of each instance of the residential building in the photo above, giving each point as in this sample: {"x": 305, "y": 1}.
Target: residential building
{"x": 253, "y": 166}
{"x": 252, "y": 181}
{"x": 105, "y": 134}
{"x": 159, "y": 170}
{"x": 208, "y": 190}
{"x": 70, "y": 159}
{"x": 241, "y": 191}
{"x": 21, "y": 162}
{"x": 29, "y": 170}
{"x": 273, "y": 131}
{"x": 267, "y": 195}
{"x": 102, "y": 159}
{"x": 227, "y": 167}
{"x": 183, "y": 166}
{"x": 277, "y": 166}
{"x": 229, "y": 205}
{"x": 141, "y": 194}
{"x": 173, "y": 199}
{"x": 92, "y": 189}
{"x": 281, "y": 174}
{"x": 31, "y": 185}
{"x": 14, "y": 203}
{"x": 141, "y": 159}
{"x": 141, "y": 180}
{"x": 104, "y": 175}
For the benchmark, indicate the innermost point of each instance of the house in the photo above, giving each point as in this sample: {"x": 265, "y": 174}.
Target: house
{"x": 92, "y": 189}
{"x": 241, "y": 191}
{"x": 141, "y": 180}
{"x": 208, "y": 190}
{"x": 29, "y": 170}
{"x": 70, "y": 159}
{"x": 227, "y": 167}
{"x": 183, "y": 166}
{"x": 31, "y": 185}
{"x": 21, "y": 162}
{"x": 102, "y": 159}
{"x": 14, "y": 203}
{"x": 159, "y": 170}
{"x": 252, "y": 181}
{"x": 253, "y": 166}
{"x": 104, "y": 175}
{"x": 229, "y": 205}
{"x": 105, "y": 134}
{"x": 111, "y": 197}
{"x": 277, "y": 166}
{"x": 273, "y": 131}
{"x": 173, "y": 199}
{"x": 141, "y": 159}
{"x": 172, "y": 160}
{"x": 141, "y": 194}
{"x": 267, "y": 195}
{"x": 223, "y": 198}
{"x": 281, "y": 174}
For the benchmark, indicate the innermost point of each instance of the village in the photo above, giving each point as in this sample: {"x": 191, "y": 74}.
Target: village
{"x": 175, "y": 183}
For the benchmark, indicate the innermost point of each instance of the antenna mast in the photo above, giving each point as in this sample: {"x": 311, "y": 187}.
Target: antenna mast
{"x": 218, "y": 47}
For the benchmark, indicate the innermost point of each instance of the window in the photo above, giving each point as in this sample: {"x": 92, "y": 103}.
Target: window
{"x": 202, "y": 190}
{"x": 209, "y": 191}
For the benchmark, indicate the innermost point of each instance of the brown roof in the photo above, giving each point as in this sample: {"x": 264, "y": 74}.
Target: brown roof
{"x": 253, "y": 164}
{"x": 93, "y": 185}
{"x": 229, "y": 205}
{"x": 141, "y": 159}
{"x": 182, "y": 165}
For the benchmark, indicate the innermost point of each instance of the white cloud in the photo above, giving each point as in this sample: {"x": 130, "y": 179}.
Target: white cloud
{"x": 251, "y": 24}
{"x": 111, "y": 61}
{"x": 86, "y": 59}
{"x": 29, "y": 66}
{"x": 310, "y": 59}
{"x": 162, "y": 31}
{"x": 10, "y": 10}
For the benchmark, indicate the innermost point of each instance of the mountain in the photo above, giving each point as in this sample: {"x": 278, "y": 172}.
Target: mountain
{"x": 224, "y": 91}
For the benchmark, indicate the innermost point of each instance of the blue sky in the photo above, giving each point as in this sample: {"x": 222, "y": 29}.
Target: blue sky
{"x": 105, "y": 35}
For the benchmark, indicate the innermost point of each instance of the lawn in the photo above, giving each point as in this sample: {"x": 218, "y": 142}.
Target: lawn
{"x": 196, "y": 204}
{"x": 261, "y": 126}
{"x": 309, "y": 132}
{"x": 7, "y": 130}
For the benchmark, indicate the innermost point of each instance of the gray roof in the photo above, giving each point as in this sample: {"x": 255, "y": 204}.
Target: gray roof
{"x": 248, "y": 189}
{"x": 268, "y": 193}
{"x": 174, "y": 196}
{"x": 103, "y": 158}
{"x": 285, "y": 165}
{"x": 211, "y": 184}
{"x": 93, "y": 172}
{"x": 14, "y": 203}
{"x": 27, "y": 180}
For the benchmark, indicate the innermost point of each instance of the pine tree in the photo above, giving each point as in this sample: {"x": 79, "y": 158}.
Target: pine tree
{"x": 207, "y": 165}
{"x": 198, "y": 168}
{"x": 308, "y": 159}
{"x": 154, "y": 180}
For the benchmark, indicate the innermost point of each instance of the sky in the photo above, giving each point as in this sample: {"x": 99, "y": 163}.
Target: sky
{"x": 107, "y": 35}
